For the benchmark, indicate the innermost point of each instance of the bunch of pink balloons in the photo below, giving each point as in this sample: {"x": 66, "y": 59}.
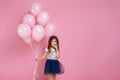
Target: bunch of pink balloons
{"x": 35, "y": 25}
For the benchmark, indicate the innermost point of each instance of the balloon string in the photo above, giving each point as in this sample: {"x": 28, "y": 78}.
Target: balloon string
{"x": 36, "y": 48}
{"x": 35, "y": 71}
{"x": 41, "y": 47}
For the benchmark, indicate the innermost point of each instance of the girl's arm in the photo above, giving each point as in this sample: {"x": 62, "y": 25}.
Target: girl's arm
{"x": 57, "y": 51}
{"x": 58, "y": 54}
{"x": 43, "y": 57}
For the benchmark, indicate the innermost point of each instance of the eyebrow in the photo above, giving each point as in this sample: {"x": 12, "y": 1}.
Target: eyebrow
{"x": 55, "y": 40}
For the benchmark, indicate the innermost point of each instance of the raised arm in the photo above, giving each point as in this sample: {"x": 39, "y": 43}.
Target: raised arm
{"x": 58, "y": 54}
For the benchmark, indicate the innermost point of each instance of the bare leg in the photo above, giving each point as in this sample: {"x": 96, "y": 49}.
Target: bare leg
{"x": 51, "y": 77}
{"x": 54, "y": 76}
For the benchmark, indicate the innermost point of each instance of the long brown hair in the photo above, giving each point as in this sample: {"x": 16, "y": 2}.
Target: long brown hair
{"x": 50, "y": 40}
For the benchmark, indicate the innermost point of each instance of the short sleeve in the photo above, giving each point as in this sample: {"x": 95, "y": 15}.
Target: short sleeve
{"x": 46, "y": 49}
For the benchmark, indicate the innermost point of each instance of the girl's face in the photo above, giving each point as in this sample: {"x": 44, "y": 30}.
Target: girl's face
{"x": 54, "y": 42}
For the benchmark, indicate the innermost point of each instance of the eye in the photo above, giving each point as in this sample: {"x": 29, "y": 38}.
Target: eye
{"x": 54, "y": 41}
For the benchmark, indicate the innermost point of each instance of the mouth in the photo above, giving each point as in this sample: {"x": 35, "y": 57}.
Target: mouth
{"x": 54, "y": 44}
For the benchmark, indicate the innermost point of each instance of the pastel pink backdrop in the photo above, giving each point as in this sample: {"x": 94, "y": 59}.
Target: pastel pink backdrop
{"x": 89, "y": 33}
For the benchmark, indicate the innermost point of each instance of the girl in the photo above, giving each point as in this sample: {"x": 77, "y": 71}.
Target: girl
{"x": 52, "y": 66}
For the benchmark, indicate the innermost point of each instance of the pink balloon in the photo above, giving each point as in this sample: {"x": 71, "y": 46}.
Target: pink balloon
{"x": 35, "y": 8}
{"x": 29, "y": 19}
{"x": 28, "y": 40}
{"x": 43, "y": 18}
{"x": 23, "y": 30}
{"x": 38, "y": 32}
{"x": 50, "y": 29}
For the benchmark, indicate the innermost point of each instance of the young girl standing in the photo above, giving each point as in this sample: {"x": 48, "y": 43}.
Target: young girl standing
{"x": 52, "y": 66}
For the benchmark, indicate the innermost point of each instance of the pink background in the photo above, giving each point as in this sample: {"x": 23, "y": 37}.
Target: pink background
{"x": 89, "y": 33}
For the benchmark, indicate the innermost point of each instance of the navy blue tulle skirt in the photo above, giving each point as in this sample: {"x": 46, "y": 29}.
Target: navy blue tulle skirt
{"x": 53, "y": 66}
